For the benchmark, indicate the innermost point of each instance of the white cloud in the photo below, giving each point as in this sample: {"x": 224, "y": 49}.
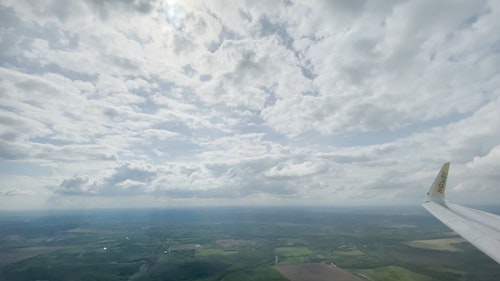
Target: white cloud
{"x": 262, "y": 101}
{"x": 287, "y": 171}
{"x": 17, "y": 192}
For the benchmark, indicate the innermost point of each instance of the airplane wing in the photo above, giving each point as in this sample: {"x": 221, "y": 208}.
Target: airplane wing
{"x": 480, "y": 228}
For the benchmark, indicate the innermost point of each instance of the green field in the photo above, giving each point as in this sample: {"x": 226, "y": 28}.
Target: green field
{"x": 213, "y": 252}
{"x": 443, "y": 244}
{"x": 293, "y": 251}
{"x": 393, "y": 273}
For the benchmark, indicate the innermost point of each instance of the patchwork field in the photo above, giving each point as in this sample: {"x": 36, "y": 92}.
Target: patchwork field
{"x": 267, "y": 244}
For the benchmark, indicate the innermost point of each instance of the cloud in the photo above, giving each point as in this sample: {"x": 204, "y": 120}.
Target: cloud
{"x": 261, "y": 101}
{"x": 76, "y": 185}
{"x": 17, "y": 192}
{"x": 367, "y": 73}
{"x": 125, "y": 179}
{"x": 288, "y": 171}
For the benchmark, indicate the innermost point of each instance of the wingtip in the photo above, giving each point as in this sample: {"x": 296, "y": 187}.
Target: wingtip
{"x": 438, "y": 188}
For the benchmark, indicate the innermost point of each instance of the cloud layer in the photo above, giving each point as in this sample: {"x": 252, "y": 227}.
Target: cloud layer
{"x": 160, "y": 103}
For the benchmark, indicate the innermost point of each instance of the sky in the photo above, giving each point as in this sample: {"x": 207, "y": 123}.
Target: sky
{"x": 132, "y": 103}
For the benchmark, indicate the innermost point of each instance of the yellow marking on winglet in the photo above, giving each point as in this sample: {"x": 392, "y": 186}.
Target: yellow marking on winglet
{"x": 440, "y": 183}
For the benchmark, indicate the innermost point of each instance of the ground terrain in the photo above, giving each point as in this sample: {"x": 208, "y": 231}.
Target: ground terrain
{"x": 236, "y": 244}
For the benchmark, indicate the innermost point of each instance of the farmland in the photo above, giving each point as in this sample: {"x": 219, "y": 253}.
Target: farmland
{"x": 236, "y": 244}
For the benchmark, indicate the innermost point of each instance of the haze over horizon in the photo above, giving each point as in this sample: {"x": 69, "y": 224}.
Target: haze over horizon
{"x": 210, "y": 103}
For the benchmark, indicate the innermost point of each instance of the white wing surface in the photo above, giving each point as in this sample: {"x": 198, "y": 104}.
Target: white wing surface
{"x": 480, "y": 228}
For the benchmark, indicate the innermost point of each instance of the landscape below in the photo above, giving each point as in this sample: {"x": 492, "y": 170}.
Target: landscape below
{"x": 243, "y": 243}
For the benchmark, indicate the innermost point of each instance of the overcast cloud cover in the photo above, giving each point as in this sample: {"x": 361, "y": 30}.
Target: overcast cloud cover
{"x": 175, "y": 103}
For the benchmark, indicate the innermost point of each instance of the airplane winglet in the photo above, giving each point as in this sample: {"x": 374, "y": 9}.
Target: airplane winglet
{"x": 438, "y": 187}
